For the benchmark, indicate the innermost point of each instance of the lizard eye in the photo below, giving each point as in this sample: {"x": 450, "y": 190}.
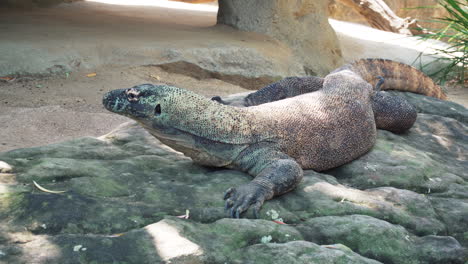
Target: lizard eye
{"x": 157, "y": 110}
{"x": 132, "y": 94}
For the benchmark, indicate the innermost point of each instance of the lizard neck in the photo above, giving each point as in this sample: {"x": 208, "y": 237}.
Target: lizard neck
{"x": 201, "y": 117}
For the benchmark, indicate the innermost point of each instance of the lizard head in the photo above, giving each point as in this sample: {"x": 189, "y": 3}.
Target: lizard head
{"x": 181, "y": 119}
{"x": 153, "y": 106}
{"x": 167, "y": 111}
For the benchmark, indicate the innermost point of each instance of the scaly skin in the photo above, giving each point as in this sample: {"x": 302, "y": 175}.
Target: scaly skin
{"x": 294, "y": 124}
{"x": 398, "y": 76}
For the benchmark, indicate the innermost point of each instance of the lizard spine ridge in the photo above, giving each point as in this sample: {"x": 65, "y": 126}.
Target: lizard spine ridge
{"x": 398, "y": 76}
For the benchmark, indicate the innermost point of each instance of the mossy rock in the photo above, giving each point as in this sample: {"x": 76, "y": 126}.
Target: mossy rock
{"x": 403, "y": 202}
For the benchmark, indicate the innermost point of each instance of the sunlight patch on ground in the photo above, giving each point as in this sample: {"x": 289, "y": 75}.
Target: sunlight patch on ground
{"x": 169, "y": 243}
{"x": 369, "y": 34}
{"x": 161, "y": 3}
{"x": 342, "y": 193}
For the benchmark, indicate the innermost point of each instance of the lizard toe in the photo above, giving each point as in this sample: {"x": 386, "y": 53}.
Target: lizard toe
{"x": 229, "y": 192}
{"x": 238, "y": 200}
{"x": 229, "y": 203}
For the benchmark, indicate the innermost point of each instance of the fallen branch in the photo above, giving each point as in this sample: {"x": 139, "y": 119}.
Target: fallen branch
{"x": 380, "y": 16}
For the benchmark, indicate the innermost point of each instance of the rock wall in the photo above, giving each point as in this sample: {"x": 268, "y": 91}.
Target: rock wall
{"x": 33, "y": 3}
{"x": 302, "y": 25}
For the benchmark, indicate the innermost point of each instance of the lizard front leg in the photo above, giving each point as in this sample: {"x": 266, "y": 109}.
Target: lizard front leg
{"x": 274, "y": 175}
{"x": 285, "y": 88}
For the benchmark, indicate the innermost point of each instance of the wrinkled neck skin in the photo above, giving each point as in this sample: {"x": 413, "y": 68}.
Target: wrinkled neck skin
{"x": 201, "y": 150}
{"x": 202, "y": 117}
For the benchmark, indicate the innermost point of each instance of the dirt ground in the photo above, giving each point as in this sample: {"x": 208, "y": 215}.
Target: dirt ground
{"x": 36, "y": 111}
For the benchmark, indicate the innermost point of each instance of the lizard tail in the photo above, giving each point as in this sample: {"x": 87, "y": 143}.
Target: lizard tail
{"x": 397, "y": 76}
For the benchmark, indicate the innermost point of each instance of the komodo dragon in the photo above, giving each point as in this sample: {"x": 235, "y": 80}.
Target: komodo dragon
{"x": 297, "y": 123}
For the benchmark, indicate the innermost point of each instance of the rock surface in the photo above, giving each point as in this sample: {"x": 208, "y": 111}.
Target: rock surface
{"x": 301, "y": 25}
{"x": 406, "y": 201}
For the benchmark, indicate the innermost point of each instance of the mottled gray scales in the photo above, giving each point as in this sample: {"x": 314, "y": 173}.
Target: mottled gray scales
{"x": 279, "y": 90}
{"x": 294, "y": 124}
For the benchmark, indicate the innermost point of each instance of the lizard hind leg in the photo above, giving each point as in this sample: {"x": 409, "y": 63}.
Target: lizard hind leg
{"x": 392, "y": 113}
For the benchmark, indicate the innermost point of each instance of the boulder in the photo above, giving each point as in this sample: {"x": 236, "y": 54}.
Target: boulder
{"x": 128, "y": 198}
{"x": 302, "y": 25}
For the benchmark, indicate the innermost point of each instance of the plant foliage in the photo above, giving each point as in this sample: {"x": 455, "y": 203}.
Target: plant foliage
{"x": 455, "y": 32}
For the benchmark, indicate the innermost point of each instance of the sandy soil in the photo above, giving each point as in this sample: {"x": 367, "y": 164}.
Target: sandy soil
{"x": 37, "y": 111}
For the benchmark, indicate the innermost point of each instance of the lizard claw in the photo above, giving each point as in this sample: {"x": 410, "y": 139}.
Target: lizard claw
{"x": 380, "y": 83}
{"x": 228, "y": 193}
{"x": 238, "y": 200}
{"x": 228, "y": 205}
{"x": 219, "y": 100}
{"x": 234, "y": 213}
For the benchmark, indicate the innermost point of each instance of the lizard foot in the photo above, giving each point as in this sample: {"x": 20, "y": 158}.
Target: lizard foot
{"x": 239, "y": 199}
